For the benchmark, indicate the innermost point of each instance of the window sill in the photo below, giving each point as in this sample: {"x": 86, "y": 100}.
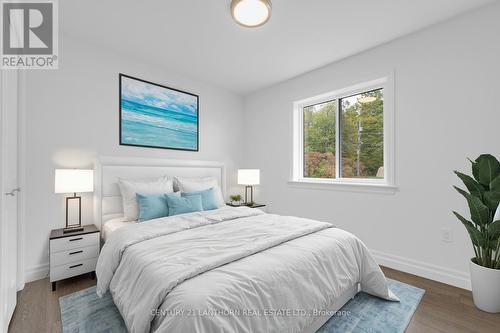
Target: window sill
{"x": 344, "y": 186}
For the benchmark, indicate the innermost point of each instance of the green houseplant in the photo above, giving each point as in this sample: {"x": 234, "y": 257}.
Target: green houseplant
{"x": 235, "y": 199}
{"x": 483, "y": 197}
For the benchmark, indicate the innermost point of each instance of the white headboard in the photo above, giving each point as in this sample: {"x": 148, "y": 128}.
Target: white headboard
{"x": 107, "y": 197}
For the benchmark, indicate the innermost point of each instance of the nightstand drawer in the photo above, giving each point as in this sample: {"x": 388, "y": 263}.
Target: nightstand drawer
{"x": 72, "y": 269}
{"x": 74, "y": 242}
{"x": 69, "y": 256}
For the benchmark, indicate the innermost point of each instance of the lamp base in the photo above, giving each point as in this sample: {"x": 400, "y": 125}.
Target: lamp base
{"x": 72, "y": 229}
{"x": 248, "y": 202}
{"x": 76, "y": 227}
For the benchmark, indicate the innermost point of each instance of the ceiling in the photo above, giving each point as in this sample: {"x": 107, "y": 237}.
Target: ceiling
{"x": 198, "y": 38}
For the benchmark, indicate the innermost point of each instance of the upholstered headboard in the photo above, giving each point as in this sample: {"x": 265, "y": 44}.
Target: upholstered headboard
{"x": 107, "y": 197}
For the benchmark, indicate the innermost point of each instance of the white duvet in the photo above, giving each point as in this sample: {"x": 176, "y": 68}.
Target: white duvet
{"x": 232, "y": 270}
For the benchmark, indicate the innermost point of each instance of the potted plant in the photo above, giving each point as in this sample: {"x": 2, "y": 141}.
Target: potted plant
{"x": 484, "y": 230}
{"x": 235, "y": 199}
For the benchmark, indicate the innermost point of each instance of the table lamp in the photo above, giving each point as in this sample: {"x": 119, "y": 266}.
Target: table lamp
{"x": 74, "y": 181}
{"x": 249, "y": 177}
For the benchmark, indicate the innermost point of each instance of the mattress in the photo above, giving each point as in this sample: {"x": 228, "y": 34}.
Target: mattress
{"x": 110, "y": 226}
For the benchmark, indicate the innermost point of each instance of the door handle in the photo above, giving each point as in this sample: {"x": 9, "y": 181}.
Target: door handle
{"x": 13, "y": 192}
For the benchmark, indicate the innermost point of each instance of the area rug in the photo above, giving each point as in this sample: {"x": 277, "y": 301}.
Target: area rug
{"x": 365, "y": 313}
{"x": 84, "y": 312}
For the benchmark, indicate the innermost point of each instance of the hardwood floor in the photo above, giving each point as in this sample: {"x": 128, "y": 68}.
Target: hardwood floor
{"x": 37, "y": 308}
{"x": 443, "y": 308}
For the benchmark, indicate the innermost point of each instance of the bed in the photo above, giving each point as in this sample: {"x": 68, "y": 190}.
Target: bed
{"x": 224, "y": 270}
{"x": 114, "y": 224}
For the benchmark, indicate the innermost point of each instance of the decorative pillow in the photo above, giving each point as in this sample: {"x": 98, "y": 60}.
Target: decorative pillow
{"x": 129, "y": 188}
{"x": 200, "y": 184}
{"x": 179, "y": 205}
{"x": 208, "y": 198}
{"x": 152, "y": 206}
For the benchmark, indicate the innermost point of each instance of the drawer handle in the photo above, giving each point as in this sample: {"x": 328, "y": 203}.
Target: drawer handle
{"x": 75, "y": 239}
{"x": 75, "y": 266}
{"x": 76, "y": 252}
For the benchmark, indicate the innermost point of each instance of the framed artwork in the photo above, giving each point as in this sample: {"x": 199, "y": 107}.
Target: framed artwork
{"x": 155, "y": 116}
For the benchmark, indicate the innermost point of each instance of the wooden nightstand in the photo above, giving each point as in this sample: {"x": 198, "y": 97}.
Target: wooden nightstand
{"x": 73, "y": 253}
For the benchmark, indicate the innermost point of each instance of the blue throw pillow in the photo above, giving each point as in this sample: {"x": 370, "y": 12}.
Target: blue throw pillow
{"x": 179, "y": 205}
{"x": 151, "y": 206}
{"x": 208, "y": 198}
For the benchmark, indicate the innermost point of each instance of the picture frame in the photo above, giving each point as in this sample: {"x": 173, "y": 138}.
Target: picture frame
{"x": 152, "y": 115}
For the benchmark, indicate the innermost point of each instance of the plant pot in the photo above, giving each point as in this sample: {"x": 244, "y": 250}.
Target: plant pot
{"x": 485, "y": 287}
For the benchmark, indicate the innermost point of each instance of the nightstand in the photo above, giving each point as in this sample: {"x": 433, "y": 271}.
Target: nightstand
{"x": 254, "y": 205}
{"x": 73, "y": 253}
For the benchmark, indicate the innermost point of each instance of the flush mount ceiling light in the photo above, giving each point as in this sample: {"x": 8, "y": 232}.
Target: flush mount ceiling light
{"x": 251, "y": 13}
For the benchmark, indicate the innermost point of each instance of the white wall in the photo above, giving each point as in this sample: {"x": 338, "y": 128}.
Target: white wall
{"x": 72, "y": 117}
{"x": 446, "y": 109}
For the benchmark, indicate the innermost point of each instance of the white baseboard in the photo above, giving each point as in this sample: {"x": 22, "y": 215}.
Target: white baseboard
{"x": 36, "y": 272}
{"x": 452, "y": 277}
{"x": 20, "y": 284}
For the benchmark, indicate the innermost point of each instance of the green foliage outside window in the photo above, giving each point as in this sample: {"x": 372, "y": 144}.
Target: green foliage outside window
{"x": 361, "y": 137}
{"x": 319, "y": 140}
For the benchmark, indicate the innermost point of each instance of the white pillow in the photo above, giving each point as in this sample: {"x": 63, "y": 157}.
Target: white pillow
{"x": 129, "y": 188}
{"x": 200, "y": 184}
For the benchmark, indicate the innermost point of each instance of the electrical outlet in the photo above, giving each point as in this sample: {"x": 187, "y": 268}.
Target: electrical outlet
{"x": 446, "y": 235}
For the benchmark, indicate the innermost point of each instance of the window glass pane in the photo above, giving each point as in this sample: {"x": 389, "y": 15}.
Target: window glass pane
{"x": 319, "y": 140}
{"x": 362, "y": 135}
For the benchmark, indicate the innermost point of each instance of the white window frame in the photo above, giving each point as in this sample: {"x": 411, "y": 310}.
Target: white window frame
{"x": 388, "y": 184}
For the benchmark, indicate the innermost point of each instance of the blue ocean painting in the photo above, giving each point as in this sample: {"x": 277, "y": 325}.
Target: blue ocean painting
{"x": 156, "y": 116}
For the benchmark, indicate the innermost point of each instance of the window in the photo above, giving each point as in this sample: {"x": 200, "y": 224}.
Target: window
{"x": 319, "y": 140}
{"x": 345, "y": 137}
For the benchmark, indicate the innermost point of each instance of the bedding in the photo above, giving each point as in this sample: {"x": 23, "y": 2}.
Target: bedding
{"x": 151, "y": 206}
{"x": 110, "y": 226}
{"x": 208, "y": 198}
{"x": 182, "y": 205}
{"x": 129, "y": 189}
{"x": 200, "y": 184}
{"x": 231, "y": 270}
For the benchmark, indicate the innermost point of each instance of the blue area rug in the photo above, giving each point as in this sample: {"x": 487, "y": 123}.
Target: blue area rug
{"x": 368, "y": 314}
{"x": 84, "y": 312}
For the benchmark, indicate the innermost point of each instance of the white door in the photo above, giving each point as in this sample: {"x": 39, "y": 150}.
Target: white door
{"x": 9, "y": 194}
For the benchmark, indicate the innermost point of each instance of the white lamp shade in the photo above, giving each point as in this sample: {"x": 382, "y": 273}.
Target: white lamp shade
{"x": 74, "y": 180}
{"x": 248, "y": 176}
